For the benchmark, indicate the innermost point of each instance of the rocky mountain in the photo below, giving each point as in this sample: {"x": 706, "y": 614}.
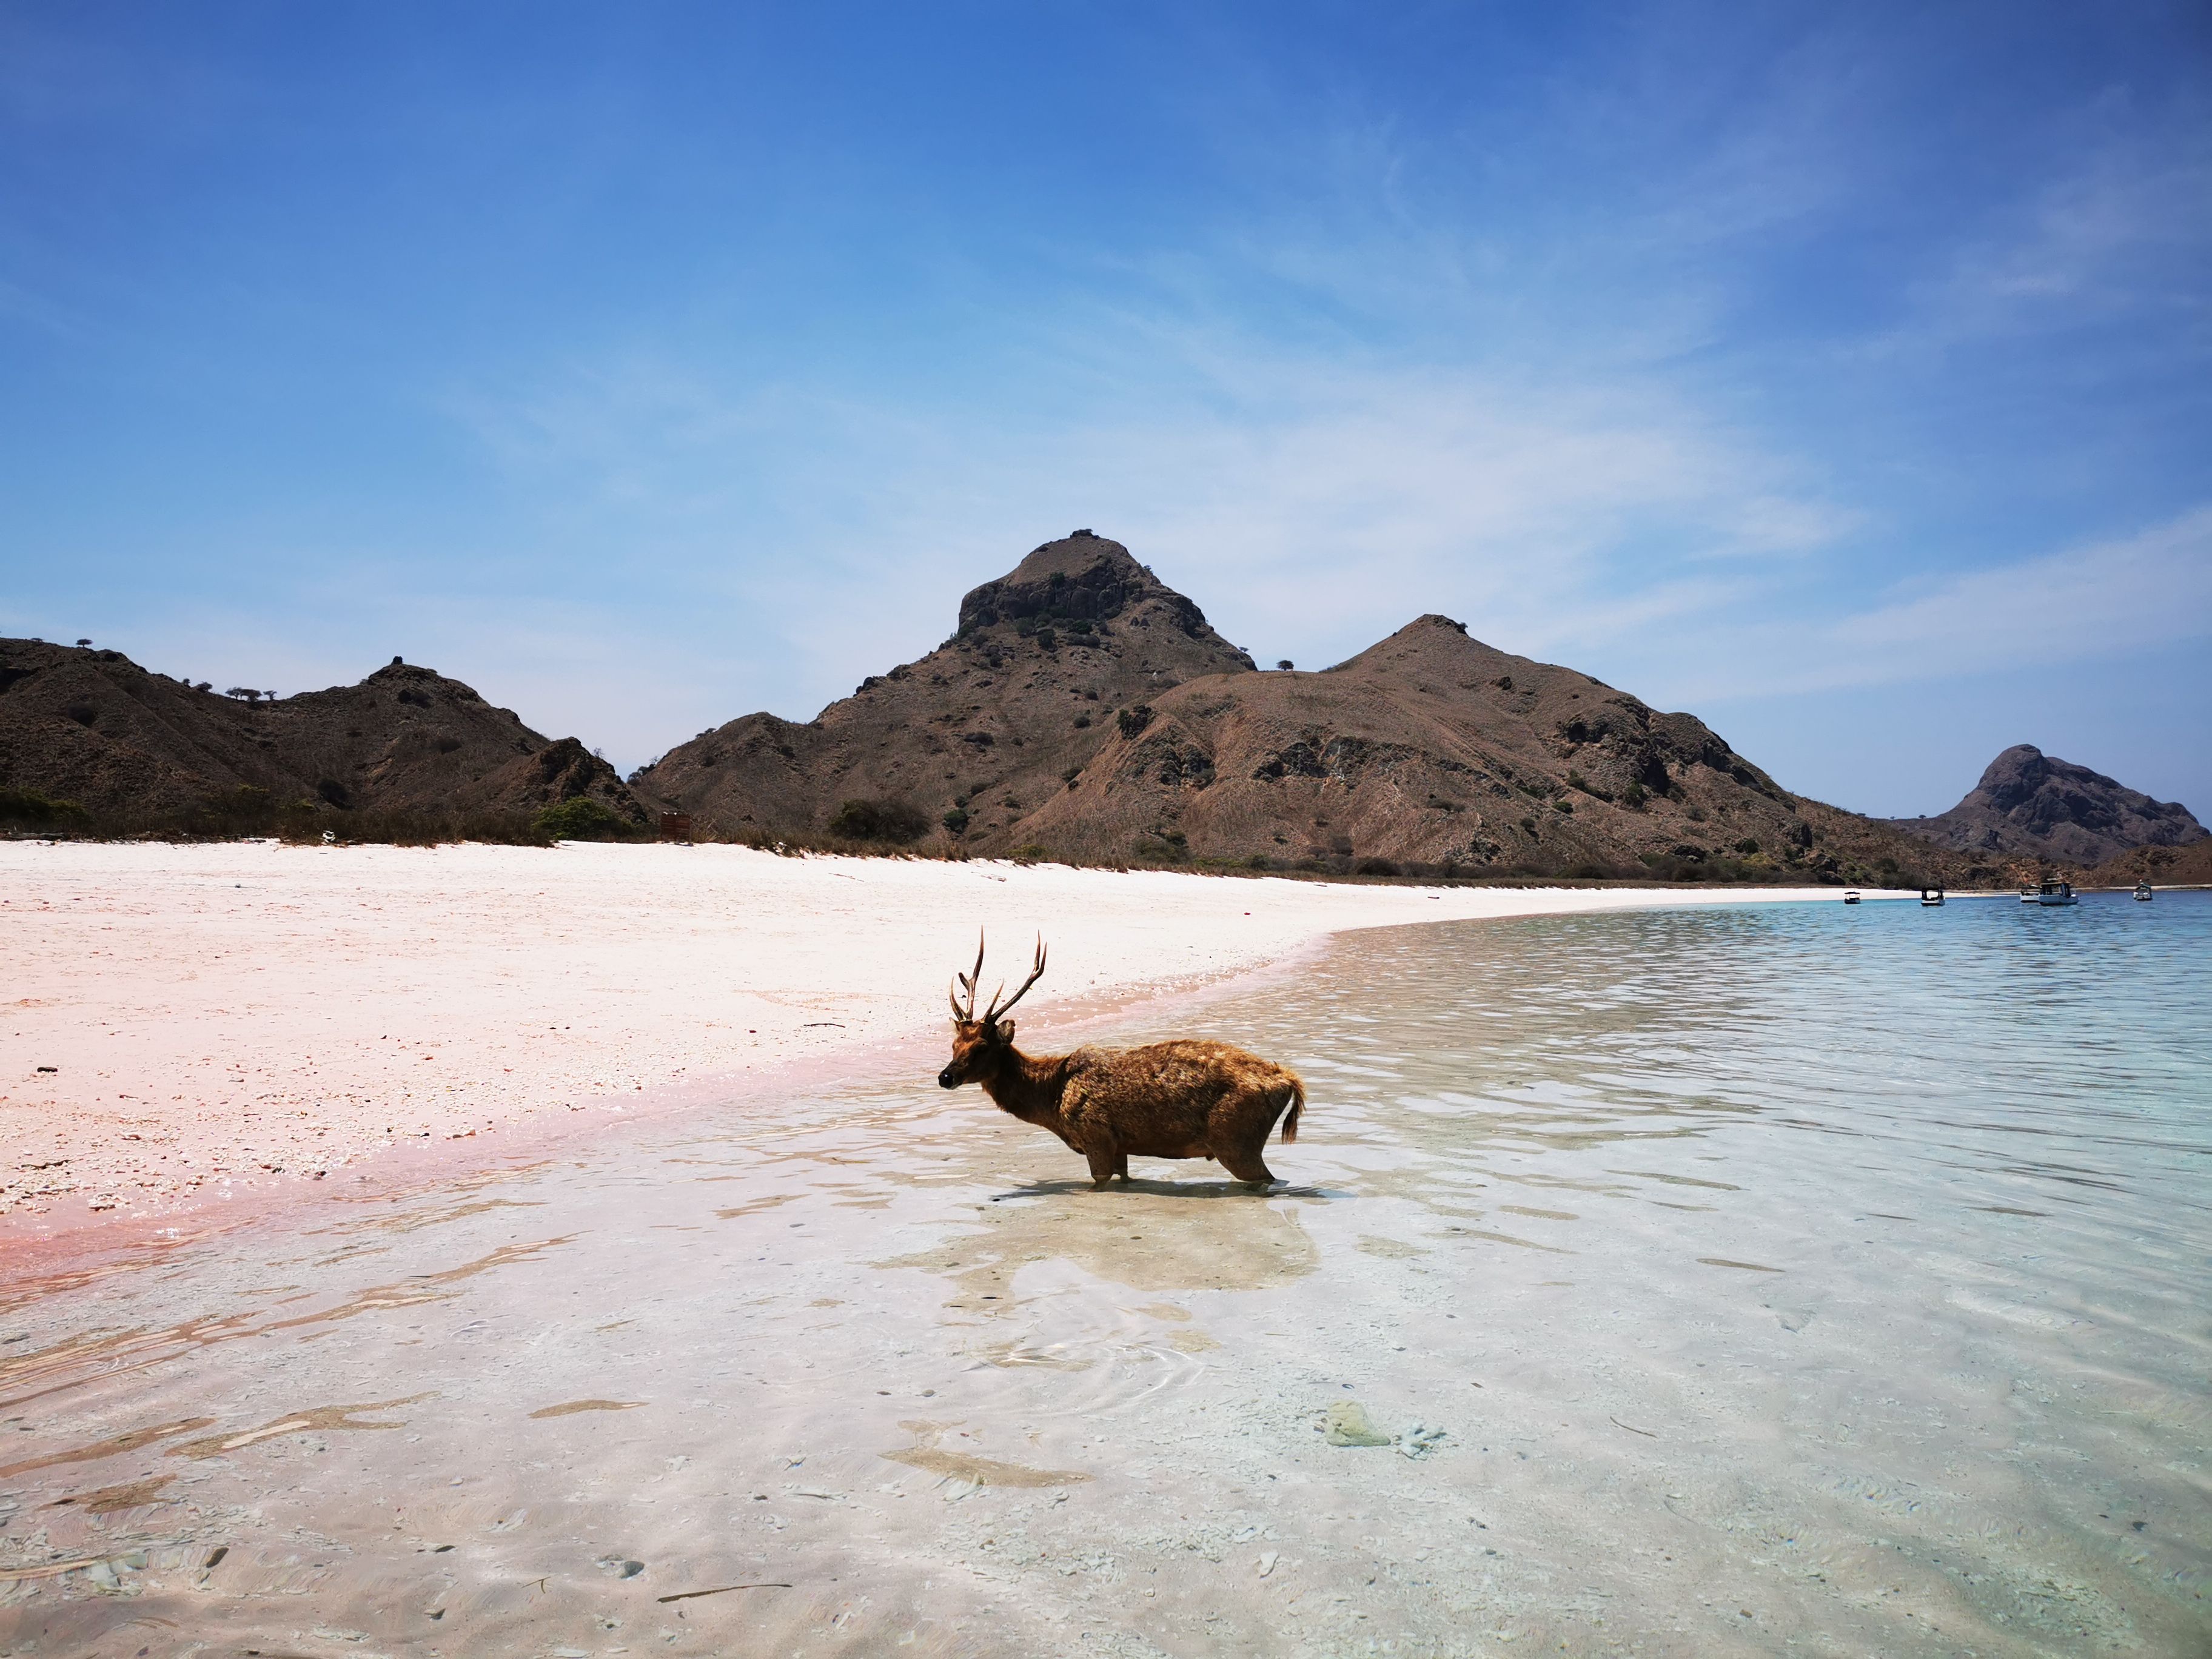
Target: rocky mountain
{"x": 136, "y": 747}
{"x": 2032, "y": 806}
{"x": 1085, "y": 709}
{"x": 983, "y": 730}
{"x": 1436, "y": 749}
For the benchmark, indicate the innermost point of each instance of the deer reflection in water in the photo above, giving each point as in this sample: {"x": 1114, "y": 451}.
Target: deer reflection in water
{"x": 1182, "y": 1099}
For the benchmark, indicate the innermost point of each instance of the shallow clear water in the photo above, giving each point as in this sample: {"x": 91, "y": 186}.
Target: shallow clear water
{"x": 1794, "y": 1275}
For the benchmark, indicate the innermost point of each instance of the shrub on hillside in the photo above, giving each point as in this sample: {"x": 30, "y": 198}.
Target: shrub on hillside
{"x": 894, "y": 821}
{"x": 30, "y": 809}
{"x": 582, "y": 819}
{"x": 1168, "y": 845}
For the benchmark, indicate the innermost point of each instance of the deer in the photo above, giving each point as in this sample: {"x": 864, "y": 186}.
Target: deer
{"x": 1180, "y": 1099}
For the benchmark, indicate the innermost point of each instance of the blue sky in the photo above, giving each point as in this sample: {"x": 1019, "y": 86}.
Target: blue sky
{"x": 1836, "y": 373}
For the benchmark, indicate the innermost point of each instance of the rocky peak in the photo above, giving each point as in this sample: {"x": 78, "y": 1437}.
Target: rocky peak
{"x": 2020, "y": 771}
{"x": 413, "y": 682}
{"x": 2032, "y": 804}
{"x": 1083, "y": 579}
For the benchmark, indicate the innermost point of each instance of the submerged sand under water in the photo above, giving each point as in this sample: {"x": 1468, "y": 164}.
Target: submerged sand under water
{"x": 1681, "y": 1283}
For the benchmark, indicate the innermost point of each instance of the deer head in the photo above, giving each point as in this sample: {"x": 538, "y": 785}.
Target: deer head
{"x": 979, "y": 1045}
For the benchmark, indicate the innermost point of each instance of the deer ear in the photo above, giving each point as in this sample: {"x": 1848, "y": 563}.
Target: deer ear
{"x": 1005, "y": 1031}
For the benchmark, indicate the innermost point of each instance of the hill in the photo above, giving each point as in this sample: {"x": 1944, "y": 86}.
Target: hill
{"x": 983, "y": 730}
{"x": 1431, "y": 749}
{"x": 2161, "y": 867}
{"x": 137, "y": 748}
{"x": 1084, "y": 709}
{"x": 2031, "y": 806}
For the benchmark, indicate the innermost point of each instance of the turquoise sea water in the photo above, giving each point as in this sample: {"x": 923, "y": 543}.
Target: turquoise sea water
{"x": 1800, "y": 1278}
{"x": 1987, "y": 1058}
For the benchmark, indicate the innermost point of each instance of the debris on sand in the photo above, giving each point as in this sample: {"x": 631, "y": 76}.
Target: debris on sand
{"x": 721, "y": 1590}
{"x": 1419, "y": 1440}
{"x": 1348, "y": 1425}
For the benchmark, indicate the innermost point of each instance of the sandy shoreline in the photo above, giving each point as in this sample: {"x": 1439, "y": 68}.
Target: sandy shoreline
{"x": 224, "y": 1022}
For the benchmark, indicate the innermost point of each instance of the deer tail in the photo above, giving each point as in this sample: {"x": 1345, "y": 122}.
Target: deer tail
{"x": 1298, "y": 1105}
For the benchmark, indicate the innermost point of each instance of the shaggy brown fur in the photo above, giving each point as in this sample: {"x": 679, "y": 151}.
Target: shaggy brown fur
{"x": 1182, "y": 1099}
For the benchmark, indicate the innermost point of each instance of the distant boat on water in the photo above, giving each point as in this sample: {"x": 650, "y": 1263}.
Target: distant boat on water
{"x": 2142, "y": 892}
{"x": 1850, "y": 898}
{"x": 2031, "y": 896}
{"x": 1931, "y": 897}
{"x": 2055, "y": 892}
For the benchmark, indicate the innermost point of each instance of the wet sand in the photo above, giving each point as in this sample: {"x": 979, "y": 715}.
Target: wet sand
{"x": 188, "y": 1029}
{"x": 1709, "y": 1289}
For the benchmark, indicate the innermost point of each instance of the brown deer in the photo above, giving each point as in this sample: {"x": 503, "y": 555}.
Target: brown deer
{"x": 1184, "y": 1099}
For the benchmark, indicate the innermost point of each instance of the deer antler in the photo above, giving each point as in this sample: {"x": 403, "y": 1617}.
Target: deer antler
{"x": 967, "y": 983}
{"x": 1035, "y": 973}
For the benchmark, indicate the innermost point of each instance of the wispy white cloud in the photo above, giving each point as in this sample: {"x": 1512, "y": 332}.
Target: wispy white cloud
{"x": 1310, "y": 503}
{"x": 1311, "y": 506}
{"x": 2120, "y": 227}
{"x": 2102, "y": 598}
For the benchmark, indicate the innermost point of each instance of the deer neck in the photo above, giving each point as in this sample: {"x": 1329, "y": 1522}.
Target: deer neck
{"x": 1029, "y": 1087}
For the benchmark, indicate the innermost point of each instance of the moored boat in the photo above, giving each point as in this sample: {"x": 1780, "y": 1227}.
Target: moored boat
{"x": 1850, "y": 898}
{"x": 2056, "y": 892}
{"x": 2142, "y": 892}
{"x": 1931, "y": 897}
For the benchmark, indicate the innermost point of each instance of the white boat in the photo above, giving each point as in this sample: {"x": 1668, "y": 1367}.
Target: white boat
{"x": 2142, "y": 892}
{"x": 2056, "y": 892}
{"x": 1931, "y": 897}
{"x": 2031, "y": 896}
{"x": 1850, "y": 898}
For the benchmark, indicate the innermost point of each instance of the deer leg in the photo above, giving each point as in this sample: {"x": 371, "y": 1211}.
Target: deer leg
{"x": 1249, "y": 1167}
{"x": 1102, "y": 1160}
